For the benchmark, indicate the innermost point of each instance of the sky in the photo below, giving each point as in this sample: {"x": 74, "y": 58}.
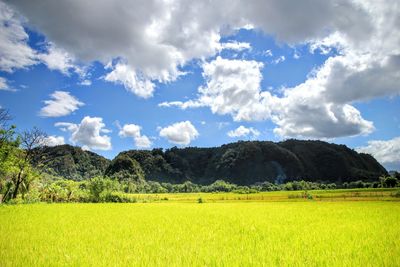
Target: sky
{"x": 116, "y": 75}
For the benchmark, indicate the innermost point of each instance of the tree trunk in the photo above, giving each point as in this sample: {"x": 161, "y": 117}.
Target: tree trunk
{"x": 5, "y": 196}
{"x": 15, "y": 193}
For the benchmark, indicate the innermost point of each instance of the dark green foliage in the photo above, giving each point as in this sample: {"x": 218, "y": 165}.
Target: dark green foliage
{"x": 124, "y": 168}
{"x": 72, "y": 162}
{"x": 241, "y": 163}
{"x": 100, "y": 188}
{"x": 389, "y": 181}
{"x": 246, "y": 163}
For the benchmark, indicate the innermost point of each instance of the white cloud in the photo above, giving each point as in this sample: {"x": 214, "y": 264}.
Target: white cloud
{"x": 387, "y": 152}
{"x": 58, "y": 59}
{"x": 267, "y": 53}
{"x": 242, "y": 131}
{"x": 133, "y": 130}
{"x": 180, "y": 133}
{"x": 236, "y": 46}
{"x": 53, "y": 140}
{"x": 279, "y": 60}
{"x": 15, "y": 53}
{"x": 61, "y": 104}
{"x": 86, "y": 82}
{"x": 88, "y": 133}
{"x": 5, "y": 86}
{"x": 154, "y": 39}
{"x": 157, "y": 38}
{"x": 133, "y": 82}
{"x": 233, "y": 88}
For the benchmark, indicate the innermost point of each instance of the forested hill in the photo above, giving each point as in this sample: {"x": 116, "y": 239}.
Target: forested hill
{"x": 71, "y": 162}
{"x": 242, "y": 163}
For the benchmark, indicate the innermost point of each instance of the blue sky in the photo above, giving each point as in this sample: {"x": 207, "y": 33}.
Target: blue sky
{"x": 239, "y": 76}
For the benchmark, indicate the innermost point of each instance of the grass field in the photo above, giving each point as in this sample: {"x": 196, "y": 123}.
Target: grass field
{"x": 291, "y": 233}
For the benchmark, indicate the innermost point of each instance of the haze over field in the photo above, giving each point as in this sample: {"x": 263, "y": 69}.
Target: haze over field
{"x": 116, "y": 75}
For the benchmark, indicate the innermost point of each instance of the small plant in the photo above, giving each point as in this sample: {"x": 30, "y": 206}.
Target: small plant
{"x": 307, "y": 195}
{"x": 200, "y": 200}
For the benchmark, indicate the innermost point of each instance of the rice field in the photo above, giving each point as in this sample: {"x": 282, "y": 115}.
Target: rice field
{"x": 291, "y": 233}
{"x": 363, "y": 194}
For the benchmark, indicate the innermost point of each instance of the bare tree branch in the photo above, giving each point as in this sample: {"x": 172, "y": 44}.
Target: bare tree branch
{"x": 5, "y": 117}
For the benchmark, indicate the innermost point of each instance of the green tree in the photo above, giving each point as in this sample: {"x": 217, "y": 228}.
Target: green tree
{"x": 388, "y": 181}
{"x": 9, "y": 155}
{"x": 30, "y": 141}
{"x": 99, "y": 186}
{"x": 124, "y": 168}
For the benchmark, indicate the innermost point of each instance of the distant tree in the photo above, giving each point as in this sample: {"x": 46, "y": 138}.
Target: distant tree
{"x": 124, "y": 168}
{"x": 388, "y": 181}
{"x": 99, "y": 186}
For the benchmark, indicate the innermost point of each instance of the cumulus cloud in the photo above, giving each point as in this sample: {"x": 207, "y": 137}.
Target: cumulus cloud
{"x": 61, "y": 104}
{"x": 53, "y": 140}
{"x": 133, "y": 130}
{"x": 180, "y": 133}
{"x": 88, "y": 133}
{"x": 387, "y": 152}
{"x": 154, "y": 38}
{"x": 15, "y": 52}
{"x": 233, "y": 88}
{"x": 133, "y": 82}
{"x": 242, "y": 131}
{"x": 157, "y": 38}
{"x": 58, "y": 59}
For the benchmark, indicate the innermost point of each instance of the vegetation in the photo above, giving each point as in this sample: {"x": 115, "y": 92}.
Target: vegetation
{"x": 71, "y": 162}
{"x": 190, "y": 234}
{"x": 241, "y": 163}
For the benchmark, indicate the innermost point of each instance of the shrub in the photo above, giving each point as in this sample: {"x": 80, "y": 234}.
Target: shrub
{"x": 116, "y": 197}
{"x": 100, "y": 185}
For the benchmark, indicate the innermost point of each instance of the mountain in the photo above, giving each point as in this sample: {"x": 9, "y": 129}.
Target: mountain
{"x": 242, "y": 163}
{"x": 71, "y": 162}
{"x": 246, "y": 163}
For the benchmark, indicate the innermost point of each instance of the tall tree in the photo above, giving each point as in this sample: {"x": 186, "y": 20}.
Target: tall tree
{"x": 31, "y": 140}
{"x": 9, "y": 144}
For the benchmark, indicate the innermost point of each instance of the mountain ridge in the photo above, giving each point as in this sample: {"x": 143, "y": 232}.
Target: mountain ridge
{"x": 242, "y": 163}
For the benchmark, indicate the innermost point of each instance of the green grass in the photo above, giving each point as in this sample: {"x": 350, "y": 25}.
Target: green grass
{"x": 307, "y": 233}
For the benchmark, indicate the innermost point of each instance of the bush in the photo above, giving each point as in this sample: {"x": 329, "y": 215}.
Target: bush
{"x": 115, "y": 197}
{"x": 33, "y": 196}
{"x": 99, "y": 185}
